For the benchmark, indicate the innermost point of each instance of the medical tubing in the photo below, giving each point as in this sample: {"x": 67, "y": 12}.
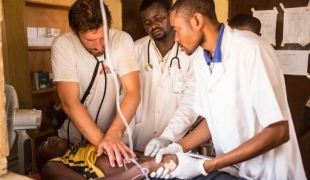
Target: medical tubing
{"x": 140, "y": 167}
{"x": 107, "y": 51}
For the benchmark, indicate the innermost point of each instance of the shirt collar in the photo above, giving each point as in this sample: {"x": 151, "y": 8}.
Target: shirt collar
{"x": 218, "y": 53}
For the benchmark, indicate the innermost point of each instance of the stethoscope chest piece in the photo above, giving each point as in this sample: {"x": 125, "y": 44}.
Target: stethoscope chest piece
{"x": 149, "y": 67}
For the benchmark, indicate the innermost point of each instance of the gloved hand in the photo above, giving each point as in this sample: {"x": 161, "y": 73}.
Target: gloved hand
{"x": 171, "y": 149}
{"x": 155, "y": 145}
{"x": 188, "y": 167}
{"x": 161, "y": 173}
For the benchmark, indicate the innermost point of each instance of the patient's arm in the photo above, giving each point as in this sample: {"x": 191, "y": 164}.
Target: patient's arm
{"x": 132, "y": 169}
{"x": 59, "y": 171}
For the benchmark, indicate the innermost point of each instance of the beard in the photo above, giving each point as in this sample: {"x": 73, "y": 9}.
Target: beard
{"x": 95, "y": 52}
{"x": 158, "y": 35}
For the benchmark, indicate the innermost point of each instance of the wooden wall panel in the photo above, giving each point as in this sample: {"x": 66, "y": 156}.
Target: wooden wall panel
{"x": 47, "y": 16}
{"x": 17, "y": 67}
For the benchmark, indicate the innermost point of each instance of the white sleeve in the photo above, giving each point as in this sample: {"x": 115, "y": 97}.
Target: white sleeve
{"x": 123, "y": 47}
{"x": 184, "y": 116}
{"x": 63, "y": 64}
{"x": 266, "y": 87}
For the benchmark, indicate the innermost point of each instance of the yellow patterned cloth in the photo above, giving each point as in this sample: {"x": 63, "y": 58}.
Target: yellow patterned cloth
{"x": 81, "y": 158}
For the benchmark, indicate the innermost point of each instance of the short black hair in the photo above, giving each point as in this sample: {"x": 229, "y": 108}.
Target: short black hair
{"x": 147, "y": 3}
{"x": 246, "y": 20}
{"x": 187, "y": 9}
{"x": 86, "y": 15}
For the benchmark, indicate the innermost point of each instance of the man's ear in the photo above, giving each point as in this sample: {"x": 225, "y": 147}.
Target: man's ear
{"x": 197, "y": 21}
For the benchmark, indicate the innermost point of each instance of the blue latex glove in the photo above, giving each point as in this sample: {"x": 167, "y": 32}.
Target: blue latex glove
{"x": 153, "y": 147}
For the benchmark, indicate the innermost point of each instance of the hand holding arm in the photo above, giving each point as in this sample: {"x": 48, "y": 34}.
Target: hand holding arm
{"x": 171, "y": 149}
{"x": 153, "y": 147}
{"x": 188, "y": 167}
{"x": 199, "y": 135}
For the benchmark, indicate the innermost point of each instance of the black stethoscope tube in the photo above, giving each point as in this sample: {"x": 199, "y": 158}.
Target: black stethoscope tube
{"x": 149, "y": 66}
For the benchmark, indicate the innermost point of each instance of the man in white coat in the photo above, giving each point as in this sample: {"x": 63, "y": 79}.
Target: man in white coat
{"x": 241, "y": 93}
{"x": 167, "y": 83}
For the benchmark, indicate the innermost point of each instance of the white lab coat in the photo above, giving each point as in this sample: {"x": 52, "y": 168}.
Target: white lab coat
{"x": 162, "y": 112}
{"x": 243, "y": 95}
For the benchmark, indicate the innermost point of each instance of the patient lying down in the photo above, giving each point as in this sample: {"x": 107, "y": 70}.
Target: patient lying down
{"x": 56, "y": 160}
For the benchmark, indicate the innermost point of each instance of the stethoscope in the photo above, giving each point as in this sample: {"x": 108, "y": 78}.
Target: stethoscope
{"x": 149, "y": 66}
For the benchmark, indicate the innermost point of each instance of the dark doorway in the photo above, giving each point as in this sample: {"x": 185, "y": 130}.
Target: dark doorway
{"x": 131, "y": 20}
